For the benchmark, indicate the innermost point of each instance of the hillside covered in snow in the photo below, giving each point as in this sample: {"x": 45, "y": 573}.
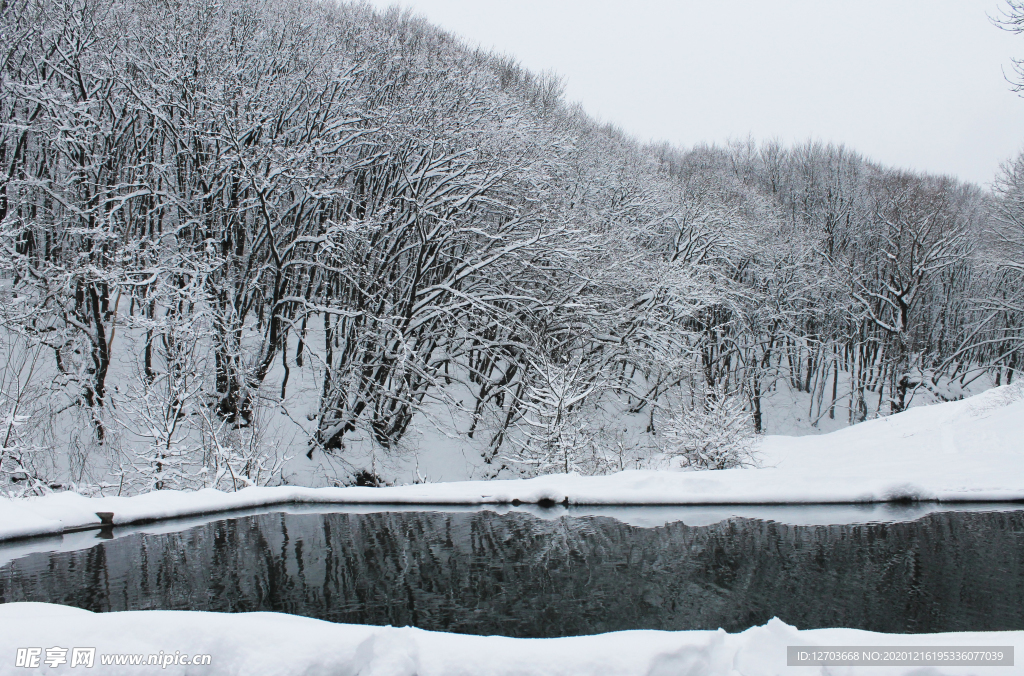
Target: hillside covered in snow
{"x": 303, "y": 242}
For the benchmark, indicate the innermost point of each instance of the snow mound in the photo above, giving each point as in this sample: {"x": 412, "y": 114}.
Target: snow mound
{"x": 273, "y": 644}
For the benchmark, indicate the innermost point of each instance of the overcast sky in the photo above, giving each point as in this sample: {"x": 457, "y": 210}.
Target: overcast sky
{"x": 911, "y": 83}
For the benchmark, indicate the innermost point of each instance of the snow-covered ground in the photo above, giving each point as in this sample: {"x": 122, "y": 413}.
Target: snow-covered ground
{"x": 272, "y": 644}
{"x": 970, "y": 450}
{"x": 432, "y": 451}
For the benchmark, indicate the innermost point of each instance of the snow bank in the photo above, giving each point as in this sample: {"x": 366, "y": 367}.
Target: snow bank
{"x": 967, "y": 451}
{"x": 273, "y": 644}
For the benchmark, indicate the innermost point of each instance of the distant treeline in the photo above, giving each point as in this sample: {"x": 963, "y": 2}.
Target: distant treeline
{"x": 205, "y": 206}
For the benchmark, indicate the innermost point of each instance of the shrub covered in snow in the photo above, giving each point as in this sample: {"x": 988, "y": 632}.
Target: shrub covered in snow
{"x": 716, "y": 433}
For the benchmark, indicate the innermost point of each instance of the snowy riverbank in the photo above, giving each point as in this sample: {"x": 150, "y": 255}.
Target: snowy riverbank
{"x": 275, "y": 644}
{"x": 967, "y": 451}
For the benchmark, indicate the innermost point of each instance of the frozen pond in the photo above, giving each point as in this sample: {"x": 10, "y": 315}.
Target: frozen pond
{"x": 551, "y": 572}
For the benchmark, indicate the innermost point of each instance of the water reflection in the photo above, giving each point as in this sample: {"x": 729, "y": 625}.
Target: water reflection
{"x": 519, "y": 575}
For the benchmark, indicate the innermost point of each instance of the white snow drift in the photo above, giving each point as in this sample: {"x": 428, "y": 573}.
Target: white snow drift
{"x": 272, "y": 644}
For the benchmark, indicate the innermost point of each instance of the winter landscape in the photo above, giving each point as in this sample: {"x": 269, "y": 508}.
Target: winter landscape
{"x": 333, "y": 343}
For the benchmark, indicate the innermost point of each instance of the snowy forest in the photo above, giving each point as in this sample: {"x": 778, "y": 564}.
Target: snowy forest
{"x": 291, "y": 241}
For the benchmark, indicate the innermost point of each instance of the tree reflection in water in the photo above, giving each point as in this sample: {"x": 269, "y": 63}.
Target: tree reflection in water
{"x": 520, "y": 575}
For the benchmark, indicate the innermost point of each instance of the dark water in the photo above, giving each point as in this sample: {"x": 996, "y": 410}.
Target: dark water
{"x": 520, "y": 575}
